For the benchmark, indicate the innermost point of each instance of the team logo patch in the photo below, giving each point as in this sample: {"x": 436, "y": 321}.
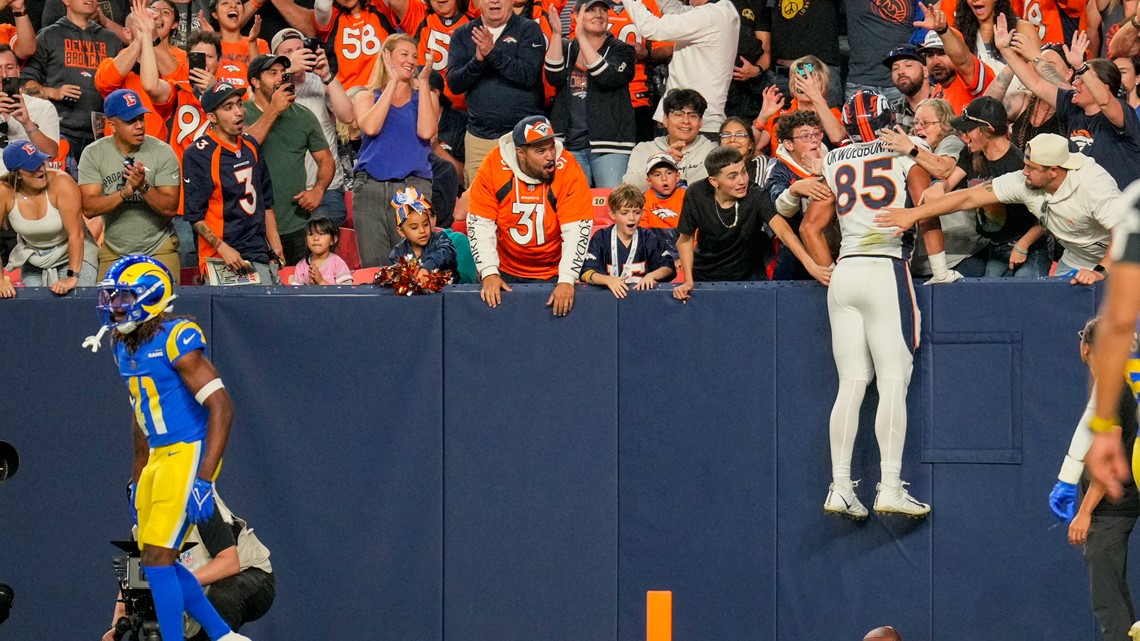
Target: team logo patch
{"x": 510, "y": 40}
{"x": 130, "y": 99}
{"x": 538, "y": 131}
{"x": 28, "y": 148}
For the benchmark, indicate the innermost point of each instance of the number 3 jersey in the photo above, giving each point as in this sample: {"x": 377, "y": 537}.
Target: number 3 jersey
{"x": 521, "y": 226}
{"x": 228, "y": 188}
{"x": 164, "y": 407}
{"x": 867, "y": 178}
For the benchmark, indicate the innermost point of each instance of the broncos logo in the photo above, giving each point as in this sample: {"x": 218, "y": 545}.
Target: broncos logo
{"x": 1081, "y": 138}
{"x": 664, "y": 213}
{"x": 891, "y": 10}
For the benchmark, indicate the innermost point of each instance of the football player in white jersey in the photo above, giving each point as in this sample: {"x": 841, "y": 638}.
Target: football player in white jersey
{"x": 874, "y": 319}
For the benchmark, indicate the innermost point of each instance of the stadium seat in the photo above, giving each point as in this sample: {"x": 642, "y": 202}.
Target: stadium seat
{"x": 460, "y": 225}
{"x": 347, "y": 249}
{"x": 348, "y": 221}
{"x": 602, "y": 215}
{"x": 285, "y": 273}
{"x": 189, "y": 276}
{"x": 364, "y": 276}
{"x": 13, "y": 276}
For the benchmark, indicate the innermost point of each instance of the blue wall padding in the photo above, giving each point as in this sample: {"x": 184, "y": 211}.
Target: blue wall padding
{"x": 429, "y": 469}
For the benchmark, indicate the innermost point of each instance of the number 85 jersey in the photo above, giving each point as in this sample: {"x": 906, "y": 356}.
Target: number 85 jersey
{"x": 867, "y": 178}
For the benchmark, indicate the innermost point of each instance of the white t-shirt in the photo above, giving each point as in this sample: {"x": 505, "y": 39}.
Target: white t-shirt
{"x": 43, "y": 113}
{"x": 311, "y": 95}
{"x": 1081, "y": 214}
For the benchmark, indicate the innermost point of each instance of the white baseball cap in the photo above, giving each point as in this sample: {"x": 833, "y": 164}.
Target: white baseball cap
{"x": 1051, "y": 150}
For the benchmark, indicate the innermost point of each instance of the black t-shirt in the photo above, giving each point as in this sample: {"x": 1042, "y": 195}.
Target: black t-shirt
{"x": 578, "y": 133}
{"x": 1117, "y": 150}
{"x": 732, "y": 243}
{"x": 1129, "y": 503}
{"x": 801, "y": 28}
{"x": 217, "y": 535}
{"x": 1000, "y": 224}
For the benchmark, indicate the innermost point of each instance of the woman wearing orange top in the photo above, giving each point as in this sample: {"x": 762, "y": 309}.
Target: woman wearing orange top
{"x": 237, "y": 50}
{"x": 809, "y": 83}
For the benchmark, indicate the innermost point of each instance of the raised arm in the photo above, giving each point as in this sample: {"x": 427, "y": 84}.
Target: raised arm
{"x": 1027, "y": 73}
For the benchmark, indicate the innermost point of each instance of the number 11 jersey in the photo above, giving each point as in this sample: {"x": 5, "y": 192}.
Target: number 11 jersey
{"x": 867, "y": 178}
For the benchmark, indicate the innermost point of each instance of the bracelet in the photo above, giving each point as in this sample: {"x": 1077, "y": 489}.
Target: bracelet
{"x": 943, "y": 31}
{"x": 1020, "y": 250}
{"x": 1135, "y": 25}
{"x": 33, "y": 130}
{"x": 1082, "y": 70}
{"x": 19, "y": 14}
{"x": 1102, "y": 425}
{"x": 328, "y": 82}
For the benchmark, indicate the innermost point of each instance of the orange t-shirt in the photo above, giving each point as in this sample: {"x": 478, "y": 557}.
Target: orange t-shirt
{"x": 662, "y": 213}
{"x": 108, "y": 79}
{"x": 234, "y": 65}
{"x": 7, "y": 34}
{"x": 415, "y": 14}
{"x": 187, "y": 123}
{"x": 959, "y": 94}
{"x": 529, "y": 218}
{"x": 1046, "y": 16}
{"x": 357, "y": 43}
{"x": 434, "y": 35}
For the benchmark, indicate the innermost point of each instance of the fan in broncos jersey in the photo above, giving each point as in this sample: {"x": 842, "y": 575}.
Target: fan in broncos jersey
{"x": 874, "y": 319}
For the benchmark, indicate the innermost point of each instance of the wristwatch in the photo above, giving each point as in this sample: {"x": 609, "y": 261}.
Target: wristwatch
{"x": 913, "y": 153}
{"x": 71, "y": 273}
{"x": 1100, "y": 270}
{"x": 1135, "y": 25}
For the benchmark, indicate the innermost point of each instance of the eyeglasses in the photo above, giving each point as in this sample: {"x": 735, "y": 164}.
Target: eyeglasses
{"x": 812, "y": 137}
{"x": 742, "y": 135}
{"x": 687, "y": 115}
{"x": 927, "y": 123}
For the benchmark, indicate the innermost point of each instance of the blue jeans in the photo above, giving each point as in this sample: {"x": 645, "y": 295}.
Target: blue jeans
{"x": 602, "y": 170}
{"x": 333, "y": 207}
{"x": 34, "y": 276}
{"x": 1036, "y": 264}
{"x": 187, "y": 243}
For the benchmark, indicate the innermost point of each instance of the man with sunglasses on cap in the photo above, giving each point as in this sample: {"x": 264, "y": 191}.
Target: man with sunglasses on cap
{"x": 909, "y": 76}
{"x": 530, "y": 215}
{"x": 1072, "y": 196}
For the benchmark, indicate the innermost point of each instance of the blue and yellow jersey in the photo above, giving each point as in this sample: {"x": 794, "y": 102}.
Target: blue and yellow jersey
{"x": 1132, "y": 368}
{"x": 164, "y": 407}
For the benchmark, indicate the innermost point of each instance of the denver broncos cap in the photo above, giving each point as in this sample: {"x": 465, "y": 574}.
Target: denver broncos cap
{"x": 123, "y": 104}
{"x": 532, "y": 129}
{"x": 217, "y": 94}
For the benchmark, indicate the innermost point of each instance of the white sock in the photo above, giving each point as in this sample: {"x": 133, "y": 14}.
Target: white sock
{"x": 890, "y": 428}
{"x": 843, "y": 428}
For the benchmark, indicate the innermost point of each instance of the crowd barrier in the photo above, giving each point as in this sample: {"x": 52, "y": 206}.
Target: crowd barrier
{"x": 429, "y": 469}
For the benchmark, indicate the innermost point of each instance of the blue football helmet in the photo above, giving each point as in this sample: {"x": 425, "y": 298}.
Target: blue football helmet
{"x": 140, "y": 286}
{"x": 865, "y": 114}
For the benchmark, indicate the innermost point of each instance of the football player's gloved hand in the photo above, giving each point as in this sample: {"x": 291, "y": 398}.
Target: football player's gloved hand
{"x": 1063, "y": 500}
{"x": 201, "y": 505}
{"x": 133, "y": 492}
{"x": 951, "y": 276}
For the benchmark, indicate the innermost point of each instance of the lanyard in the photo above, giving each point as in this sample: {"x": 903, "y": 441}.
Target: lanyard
{"x": 627, "y": 268}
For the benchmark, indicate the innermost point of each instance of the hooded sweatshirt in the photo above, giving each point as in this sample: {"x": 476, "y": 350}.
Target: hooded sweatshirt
{"x": 692, "y": 165}
{"x": 69, "y": 55}
{"x": 528, "y": 228}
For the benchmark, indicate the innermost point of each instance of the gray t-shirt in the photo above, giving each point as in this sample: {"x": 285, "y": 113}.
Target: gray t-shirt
{"x": 874, "y": 27}
{"x": 311, "y": 95}
{"x": 132, "y": 228}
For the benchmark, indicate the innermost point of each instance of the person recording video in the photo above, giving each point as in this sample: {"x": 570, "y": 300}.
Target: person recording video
{"x": 232, "y": 565}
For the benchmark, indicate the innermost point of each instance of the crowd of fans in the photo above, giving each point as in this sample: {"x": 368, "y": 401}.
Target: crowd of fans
{"x": 174, "y": 129}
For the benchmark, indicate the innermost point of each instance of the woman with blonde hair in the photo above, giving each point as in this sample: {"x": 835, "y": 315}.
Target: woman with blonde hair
{"x": 964, "y": 247}
{"x": 42, "y": 206}
{"x": 809, "y": 82}
{"x": 398, "y": 116}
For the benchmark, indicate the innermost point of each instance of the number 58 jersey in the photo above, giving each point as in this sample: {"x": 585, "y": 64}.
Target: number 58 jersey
{"x": 867, "y": 178}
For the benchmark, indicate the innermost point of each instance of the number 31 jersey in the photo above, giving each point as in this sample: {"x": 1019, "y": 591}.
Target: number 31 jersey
{"x": 867, "y": 178}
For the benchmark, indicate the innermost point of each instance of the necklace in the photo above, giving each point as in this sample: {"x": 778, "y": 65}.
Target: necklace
{"x": 735, "y": 214}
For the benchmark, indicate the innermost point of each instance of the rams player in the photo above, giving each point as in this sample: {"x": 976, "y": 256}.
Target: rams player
{"x": 181, "y": 422}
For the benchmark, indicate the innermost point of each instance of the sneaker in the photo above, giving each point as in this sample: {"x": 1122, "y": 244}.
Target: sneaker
{"x": 842, "y": 502}
{"x": 1134, "y": 632}
{"x": 233, "y": 636}
{"x": 896, "y": 500}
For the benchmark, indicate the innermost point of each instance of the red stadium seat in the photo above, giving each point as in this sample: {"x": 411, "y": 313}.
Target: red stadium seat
{"x": 460, "y": 225}
{"x": 285, "y": 273}
{"x": 347, "y": 249}
{"x": 348, "y": 222}
{"x": 13, "y": 276}
{"x": 189, "y": 276}
{"x": 364, "y": 276}
{"x": 601, "y": 207}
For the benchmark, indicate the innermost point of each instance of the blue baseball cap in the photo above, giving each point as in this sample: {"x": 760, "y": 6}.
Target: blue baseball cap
{"x": 124, "y": 104}
{"x": 24, "y": 155}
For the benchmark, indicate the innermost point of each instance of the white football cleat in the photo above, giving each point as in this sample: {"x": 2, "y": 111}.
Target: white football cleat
{"x": 896, "y": 500}
{"x": 951, "y": 277}
{"x": 233, "y": 636}
{"x": 1134, "y": 632}
{"x": 842, "y": 502}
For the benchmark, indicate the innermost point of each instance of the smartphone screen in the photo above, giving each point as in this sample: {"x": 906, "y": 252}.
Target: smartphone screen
{"x": 197, "y": 60}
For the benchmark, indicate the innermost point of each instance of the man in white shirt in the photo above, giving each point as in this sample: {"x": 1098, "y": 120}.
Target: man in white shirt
{"x": 25, "y": 117}
{"x": 705, "y": 38}
{"x": 1070, "y": 194}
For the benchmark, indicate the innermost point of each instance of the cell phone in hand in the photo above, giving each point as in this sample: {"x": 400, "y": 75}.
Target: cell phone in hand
{"x": 314, "y": 45}
{"x": 197, "y": 60}
{"x": 10, "y": 86}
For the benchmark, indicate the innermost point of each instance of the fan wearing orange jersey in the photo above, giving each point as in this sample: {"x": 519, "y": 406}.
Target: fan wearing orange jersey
{"x": 357, "y": 31}
{"x": 21, "y": 36}
{"x": 237, "y": 50}
{"x": 434, "y": 35}
{"x": 530, "y": 215}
